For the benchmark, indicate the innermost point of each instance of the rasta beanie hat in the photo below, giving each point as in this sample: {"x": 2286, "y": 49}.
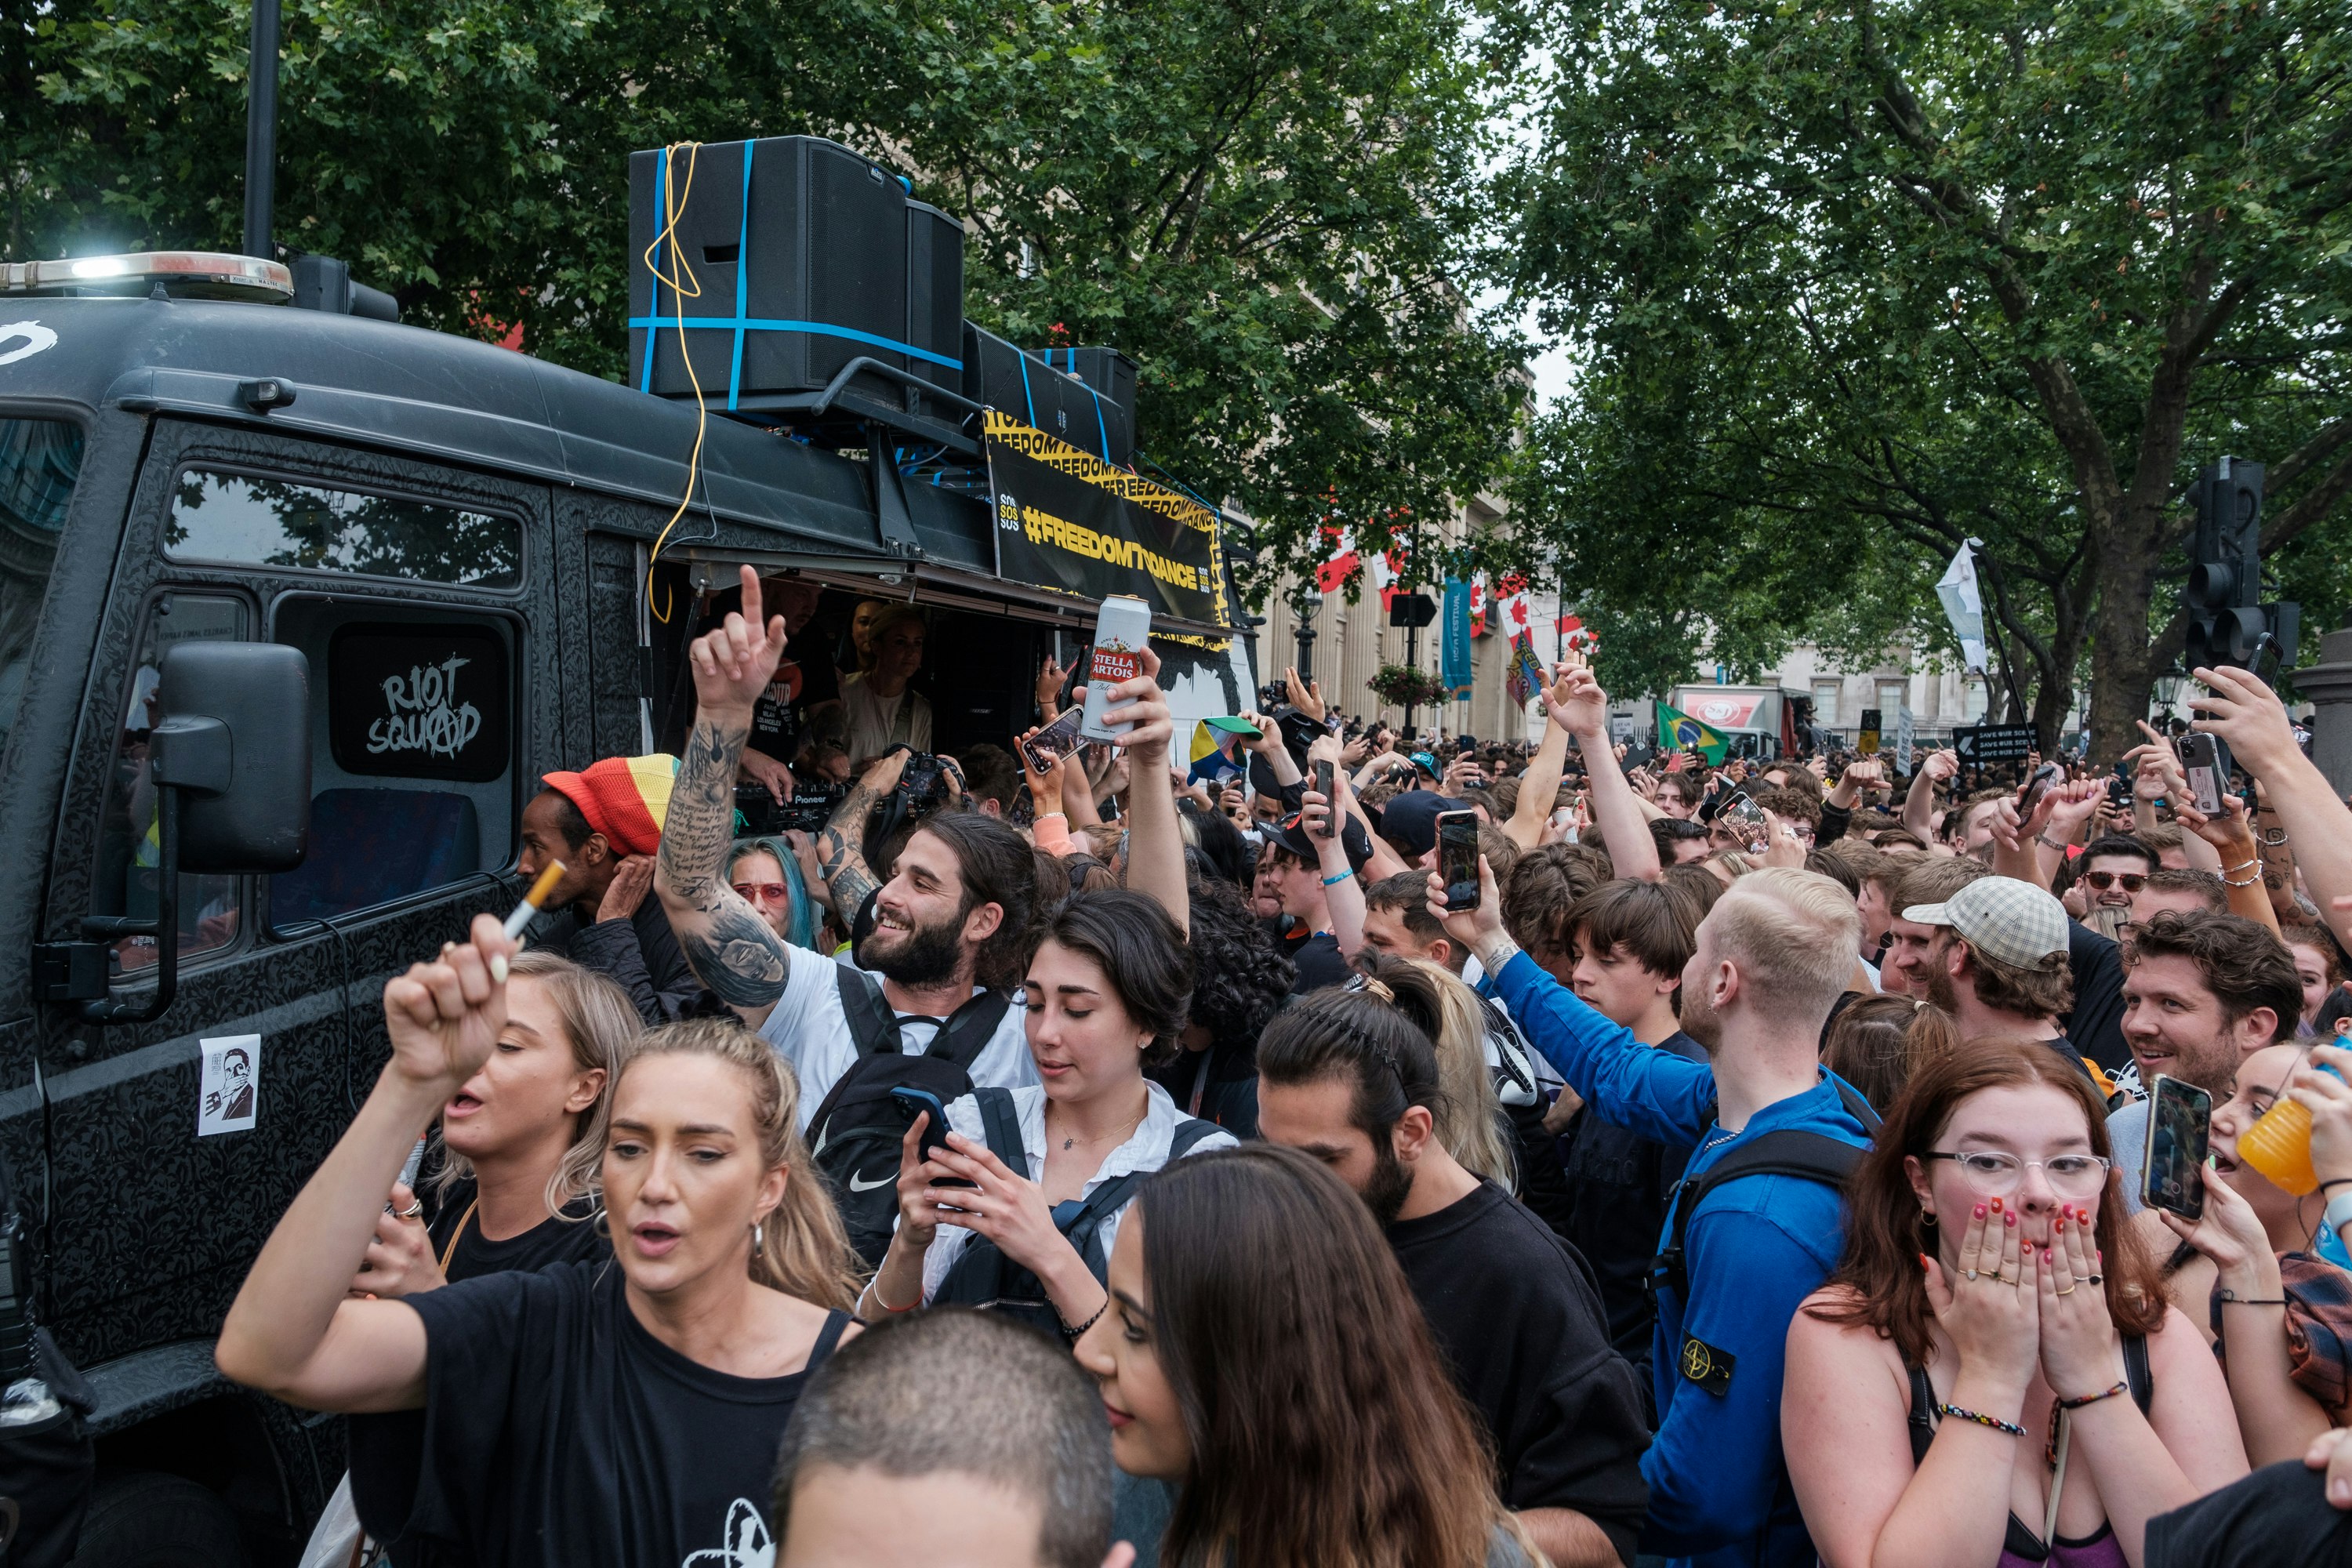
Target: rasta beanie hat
{"x": 627, "y": 799}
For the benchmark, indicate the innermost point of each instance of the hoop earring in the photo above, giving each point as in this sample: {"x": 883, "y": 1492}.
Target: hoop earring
{"x": 1928, "y": 1218}
{"x": 759, "y": 1237}
{"x": 602, "y": 1223}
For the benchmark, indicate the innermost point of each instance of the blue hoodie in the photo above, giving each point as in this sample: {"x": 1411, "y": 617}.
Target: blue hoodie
{"x": 1719, "y": 1492}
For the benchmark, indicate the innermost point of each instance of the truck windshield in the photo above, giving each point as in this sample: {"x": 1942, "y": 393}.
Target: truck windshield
{"x": 39, "y": 460}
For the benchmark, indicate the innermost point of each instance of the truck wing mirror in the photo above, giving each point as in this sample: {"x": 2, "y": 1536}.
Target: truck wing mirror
{"x": 230, "y": 761}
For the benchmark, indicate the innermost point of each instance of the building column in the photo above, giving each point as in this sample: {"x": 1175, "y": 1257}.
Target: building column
{"x": 2328, "y": 686}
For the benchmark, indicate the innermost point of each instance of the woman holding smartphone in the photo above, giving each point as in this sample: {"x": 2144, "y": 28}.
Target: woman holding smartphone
{"x": 1992, "y": 1375}
{"x": 1107, "y": 992}
{"x": 2248, "y": 1270}
{"x": 580, "y": 1416}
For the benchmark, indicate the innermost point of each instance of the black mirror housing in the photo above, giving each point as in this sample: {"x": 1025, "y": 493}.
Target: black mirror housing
{"x": 235, "y": 737}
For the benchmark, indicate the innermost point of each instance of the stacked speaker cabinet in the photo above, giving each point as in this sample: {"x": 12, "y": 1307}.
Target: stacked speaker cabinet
{"x": 1058, "y": 402}
{"x": 791, "y": 259}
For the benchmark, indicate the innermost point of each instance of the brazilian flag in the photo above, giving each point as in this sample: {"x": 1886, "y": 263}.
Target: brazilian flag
{"x": 1678, "y": 732}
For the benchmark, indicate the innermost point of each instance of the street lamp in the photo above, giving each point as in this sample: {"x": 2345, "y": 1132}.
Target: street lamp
{"x": 1305, "y": 600}
{"x": 2167, "y": 690}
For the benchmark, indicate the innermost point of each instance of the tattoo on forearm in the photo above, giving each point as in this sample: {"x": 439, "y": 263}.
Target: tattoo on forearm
{"x": 842, "y": 851}
{"x": 726, "y": 944}
{"x": 733, "y": 952}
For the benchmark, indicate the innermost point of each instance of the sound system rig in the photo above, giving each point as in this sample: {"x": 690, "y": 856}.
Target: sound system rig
{"x": 815, "y": 296}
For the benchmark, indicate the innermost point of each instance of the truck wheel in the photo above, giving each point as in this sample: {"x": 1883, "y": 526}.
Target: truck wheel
{"x": 148, "y": 1518}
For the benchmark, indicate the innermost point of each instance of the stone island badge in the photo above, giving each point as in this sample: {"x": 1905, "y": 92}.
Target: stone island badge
{"x": 1707, "y": 1366}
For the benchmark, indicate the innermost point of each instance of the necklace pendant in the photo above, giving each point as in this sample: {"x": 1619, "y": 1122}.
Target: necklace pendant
{"x": 1067, "y": 1141}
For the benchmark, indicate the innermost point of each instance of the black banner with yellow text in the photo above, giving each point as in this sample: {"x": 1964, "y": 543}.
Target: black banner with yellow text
{"x": 1069, "y": 521}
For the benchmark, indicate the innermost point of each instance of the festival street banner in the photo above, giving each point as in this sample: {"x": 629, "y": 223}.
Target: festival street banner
{"x": 1068, "y": 521}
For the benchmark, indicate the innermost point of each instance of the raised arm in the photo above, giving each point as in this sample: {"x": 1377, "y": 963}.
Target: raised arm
{"x": 1155, "y": 849}
{"x": 1582, "y": 707}
{"x": 1540, "y": 785}
{"x": 1919, "y": 801}
{"x": 2248, "y": 715}
{"x": 294, "y": 1330}
{"x": 728, "y": 945}
{"x": 1343, "y": 890}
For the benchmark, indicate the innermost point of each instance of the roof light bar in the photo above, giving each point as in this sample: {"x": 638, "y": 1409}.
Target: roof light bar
{"x": 184, "y": 274}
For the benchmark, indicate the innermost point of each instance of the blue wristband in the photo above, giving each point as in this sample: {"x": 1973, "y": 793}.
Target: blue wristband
{"x": 1342, "y": 877}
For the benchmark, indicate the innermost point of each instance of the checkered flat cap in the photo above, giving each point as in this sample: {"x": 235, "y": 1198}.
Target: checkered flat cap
{"x": 2007, "y": 920}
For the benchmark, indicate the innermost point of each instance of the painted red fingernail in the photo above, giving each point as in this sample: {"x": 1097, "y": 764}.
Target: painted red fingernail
{"x": 1996, "y": 1206}
{"x": 1923, "y": 1263}
{"x": 1980, "y": 1211}
{"x": 2058, "y": 1225}
{"x": 2008, "y": 1219}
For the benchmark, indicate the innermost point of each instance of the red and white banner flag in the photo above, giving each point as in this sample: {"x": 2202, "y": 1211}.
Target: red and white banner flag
{"x": 1478, "y": 604}
{"x": 1340, "y": 559}
{"x": 1512, "y": 608}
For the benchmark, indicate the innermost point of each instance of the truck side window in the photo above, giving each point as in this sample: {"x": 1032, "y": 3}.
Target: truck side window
{"x": 210, "y": 905}
{"x": 412, "y": 748}
{"x": 39, "y": 460}
{"x": 261, "y": 521}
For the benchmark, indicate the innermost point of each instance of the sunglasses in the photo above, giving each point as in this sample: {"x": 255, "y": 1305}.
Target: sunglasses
{"x": 2100, "y": 881}
{"x": 762, "y": 892}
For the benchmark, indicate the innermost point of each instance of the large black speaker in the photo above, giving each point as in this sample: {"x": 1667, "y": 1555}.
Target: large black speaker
{"x": 1107, "y": 371}
{"x": 1023, "y": 384}
{"x": 798, "y": 256}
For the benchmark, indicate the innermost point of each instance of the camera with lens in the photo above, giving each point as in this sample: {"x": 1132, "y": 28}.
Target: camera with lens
{"x": 1274, "y": 694}
{"x": 922, "y": 789}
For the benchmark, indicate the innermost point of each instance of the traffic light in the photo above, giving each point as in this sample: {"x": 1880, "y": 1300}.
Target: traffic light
{"x": 2226, "y": 619}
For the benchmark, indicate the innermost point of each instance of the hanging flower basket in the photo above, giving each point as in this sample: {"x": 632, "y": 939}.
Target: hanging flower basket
{"x": 1403, "y": 686}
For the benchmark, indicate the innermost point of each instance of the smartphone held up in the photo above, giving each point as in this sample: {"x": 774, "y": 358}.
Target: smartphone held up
{"x": 2172, "y": 1170}
{"x": 1457, "y": 857}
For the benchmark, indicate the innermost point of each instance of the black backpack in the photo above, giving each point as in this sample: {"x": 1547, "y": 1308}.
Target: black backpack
{"x": 984, "y": 1278}
{"x": 1790, "y": 1151}
{"x": 854, "y": 1136}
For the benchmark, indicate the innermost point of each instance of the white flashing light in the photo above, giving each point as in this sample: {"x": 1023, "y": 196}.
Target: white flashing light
{"x": 186, "y": 274}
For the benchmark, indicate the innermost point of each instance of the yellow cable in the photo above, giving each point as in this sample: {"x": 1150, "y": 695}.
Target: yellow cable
{"x": 685, "y": 285}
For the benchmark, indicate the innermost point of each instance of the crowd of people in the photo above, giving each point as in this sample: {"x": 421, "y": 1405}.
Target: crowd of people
{"x": 1132, "y": 1159}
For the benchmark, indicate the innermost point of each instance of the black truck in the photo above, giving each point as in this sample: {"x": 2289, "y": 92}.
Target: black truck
{"x": 256, "y": 560}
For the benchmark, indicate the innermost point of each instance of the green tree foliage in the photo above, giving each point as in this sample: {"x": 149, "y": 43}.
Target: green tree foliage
{"x": 1854, "y": 285}
{"x": 1266, "y": 203}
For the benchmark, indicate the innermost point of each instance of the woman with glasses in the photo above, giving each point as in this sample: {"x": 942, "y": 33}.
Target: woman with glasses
{"x": 1993, "y": 1376}
{"x": 766, "y": 875}
{"x": 2250, "y": 1269}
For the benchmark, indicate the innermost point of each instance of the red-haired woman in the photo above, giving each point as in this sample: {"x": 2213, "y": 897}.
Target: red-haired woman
{"x": 1993, "y": 1376}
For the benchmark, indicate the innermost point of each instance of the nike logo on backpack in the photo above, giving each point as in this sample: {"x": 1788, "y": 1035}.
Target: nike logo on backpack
{"x": 858, "y": 1184}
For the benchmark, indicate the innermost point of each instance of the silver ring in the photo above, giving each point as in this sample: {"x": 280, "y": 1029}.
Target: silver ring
{"x": 413, "y": 1210}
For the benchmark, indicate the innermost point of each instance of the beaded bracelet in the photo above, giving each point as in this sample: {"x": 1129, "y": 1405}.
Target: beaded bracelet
{"x": 1076, "y": 1334}
{"x": 1992, "y": 1422}
{"x": 2093, "y": 1398}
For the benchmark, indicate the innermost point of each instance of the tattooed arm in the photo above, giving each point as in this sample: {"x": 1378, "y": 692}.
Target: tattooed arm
{"x": 729, "y": 947}
{"x": 841, "y": 847}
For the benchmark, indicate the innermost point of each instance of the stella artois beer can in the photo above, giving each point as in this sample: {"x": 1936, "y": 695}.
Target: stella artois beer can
{"x": 1120, "y": 631}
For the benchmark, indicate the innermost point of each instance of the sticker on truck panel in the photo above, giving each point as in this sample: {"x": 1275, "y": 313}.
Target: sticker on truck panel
{"x": 230, "y": 1085}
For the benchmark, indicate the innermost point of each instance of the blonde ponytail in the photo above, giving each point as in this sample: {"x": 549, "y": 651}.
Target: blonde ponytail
{"x": 803, "y": 1249}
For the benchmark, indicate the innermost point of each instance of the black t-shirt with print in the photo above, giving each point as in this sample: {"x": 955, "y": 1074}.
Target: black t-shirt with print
{"x": 386, "y": 1450}
{"x": 560, "y": 1434}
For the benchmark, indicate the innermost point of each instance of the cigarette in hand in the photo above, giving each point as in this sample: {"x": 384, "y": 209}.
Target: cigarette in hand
{"x": 524, "y": 911}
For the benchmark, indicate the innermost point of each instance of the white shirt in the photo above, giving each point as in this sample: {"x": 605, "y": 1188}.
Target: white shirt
{"x": 871, "y": 718}
{"x": 1145, "y": 1150}
{"x": 809, "y": 1030}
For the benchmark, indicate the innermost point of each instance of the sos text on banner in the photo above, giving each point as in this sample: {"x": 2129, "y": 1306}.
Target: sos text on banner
{"x": 1067, "y": 520}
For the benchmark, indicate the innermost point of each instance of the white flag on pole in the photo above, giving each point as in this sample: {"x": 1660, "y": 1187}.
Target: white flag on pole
{"x": 1964, "y": 607}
